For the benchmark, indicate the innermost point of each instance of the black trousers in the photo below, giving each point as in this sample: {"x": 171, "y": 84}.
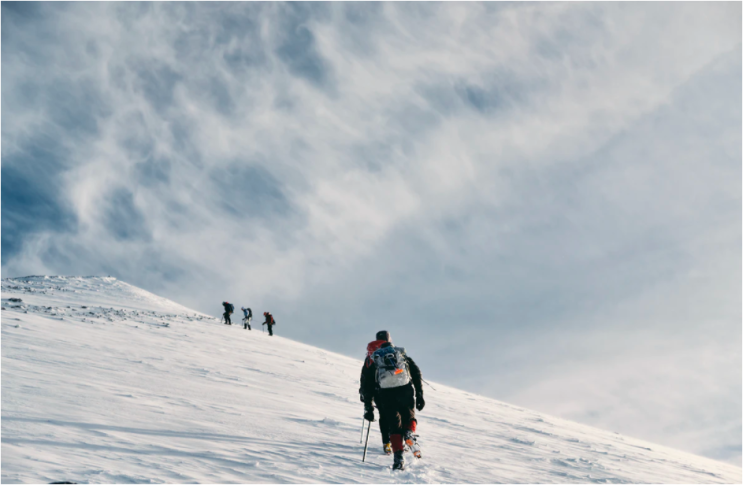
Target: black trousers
{"x": 270, "y": 329}
{"x": 396, "y": 408}
{"x": 384, "y": 427}
{"x": 227, "y": 318}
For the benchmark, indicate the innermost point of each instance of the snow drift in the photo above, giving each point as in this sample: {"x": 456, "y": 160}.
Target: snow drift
{"x": 105, "y": 382}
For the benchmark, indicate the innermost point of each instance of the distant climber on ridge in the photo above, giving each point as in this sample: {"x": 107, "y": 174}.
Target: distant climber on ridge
{"x": 270, "y": 321}
{"x": 228, "y": 309}
{"x": 397, "y": 382}
{"x": 248, "y": 316}
{"x": 383, "y": 424}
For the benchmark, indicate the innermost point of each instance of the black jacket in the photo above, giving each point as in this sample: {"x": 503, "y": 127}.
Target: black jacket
{"x": 369, "y": 388}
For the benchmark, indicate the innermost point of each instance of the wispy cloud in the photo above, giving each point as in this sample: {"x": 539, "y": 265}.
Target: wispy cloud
{"x": 546, "y": 194}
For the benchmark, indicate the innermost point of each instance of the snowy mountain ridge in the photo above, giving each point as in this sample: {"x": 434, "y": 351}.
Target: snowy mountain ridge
{"x": 105, "y": 382}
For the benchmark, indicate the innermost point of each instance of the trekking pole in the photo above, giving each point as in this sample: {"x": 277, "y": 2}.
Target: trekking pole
{"x": 428, "y": 384}
{"x": 367, "y": 441}
{"x": 361, "y": 438}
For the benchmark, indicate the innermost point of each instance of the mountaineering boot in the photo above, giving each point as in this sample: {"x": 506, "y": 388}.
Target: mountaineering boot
{"x": 399, "y": 461}
{"x": 387, "y": 449}
{"x": 412, "y": 443}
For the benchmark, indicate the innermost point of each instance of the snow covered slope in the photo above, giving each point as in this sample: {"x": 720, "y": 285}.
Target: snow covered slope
{"x": 105, "y": 382}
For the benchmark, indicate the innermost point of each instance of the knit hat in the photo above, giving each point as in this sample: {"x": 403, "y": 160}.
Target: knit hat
{"x": 383, "y": 335}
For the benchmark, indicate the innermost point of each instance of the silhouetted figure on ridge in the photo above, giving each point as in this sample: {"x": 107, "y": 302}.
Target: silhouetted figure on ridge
{"x": 270, "y": 321}
{"x": 228, "y": 309}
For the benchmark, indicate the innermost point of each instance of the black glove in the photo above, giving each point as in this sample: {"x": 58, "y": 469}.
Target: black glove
{"x": 369, "y": 413}
{"x": 361, "y": 396}
{"x": 419, "y": 402}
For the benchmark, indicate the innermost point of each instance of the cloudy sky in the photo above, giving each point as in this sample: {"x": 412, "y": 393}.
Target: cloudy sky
{"x": 541, "y": 202}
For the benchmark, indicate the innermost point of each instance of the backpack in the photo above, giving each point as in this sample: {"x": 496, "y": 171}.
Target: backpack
{"x": 370, "y": 349}
{"x": 392, "y": 367}
{"x": 230, "y": 308}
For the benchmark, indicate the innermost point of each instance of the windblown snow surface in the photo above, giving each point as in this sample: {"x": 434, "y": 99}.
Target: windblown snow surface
{"x": 105, "y": 382}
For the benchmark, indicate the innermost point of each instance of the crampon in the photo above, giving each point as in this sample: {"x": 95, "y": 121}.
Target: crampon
{"x": 411, "y": 444}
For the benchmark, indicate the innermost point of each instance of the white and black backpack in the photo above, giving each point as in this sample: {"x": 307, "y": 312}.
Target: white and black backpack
{"x": 392, "y": 367}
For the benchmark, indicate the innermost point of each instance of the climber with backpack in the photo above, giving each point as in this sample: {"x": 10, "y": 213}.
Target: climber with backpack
{"x": 229, "y": 308}
{"x": 383, "y": 425}
{"x": 246, "y": 319}
{"x": 270, "y": 321}
{"x": 394, "y": 382}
